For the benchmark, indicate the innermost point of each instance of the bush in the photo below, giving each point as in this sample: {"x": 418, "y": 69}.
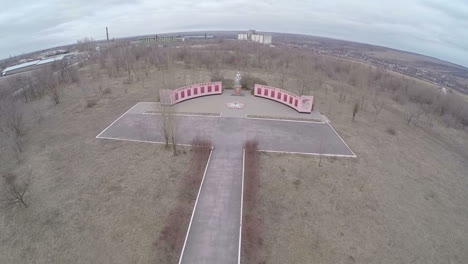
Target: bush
{"x": 248, "y": 82}
{"x": 171, "y": 239}
{"x": 355, "y": 109}
{"x": 127, "y": 81}
{"x": 252, "y": 232}
{"x": 15, "y": 190}
{"x": 391, "y": 131}
{"x": 91, "y": 103}
{"x": 107, "y": 91}
{"x": 228, "y": 84}
{"x": 216, "y": 76}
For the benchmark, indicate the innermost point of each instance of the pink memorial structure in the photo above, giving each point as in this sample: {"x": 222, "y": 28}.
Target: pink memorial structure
{"x": 301, "y": 103}
{"x": 171, "y": 97}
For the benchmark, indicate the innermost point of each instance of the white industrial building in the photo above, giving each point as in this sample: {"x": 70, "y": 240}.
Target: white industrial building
{"x": 32, "y": 65}
{"x": 252, "y": 35}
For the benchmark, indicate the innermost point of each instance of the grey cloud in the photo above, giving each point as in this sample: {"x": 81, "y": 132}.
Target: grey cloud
{"x": 454, "y": 8}
{"x": 432, "y": 27}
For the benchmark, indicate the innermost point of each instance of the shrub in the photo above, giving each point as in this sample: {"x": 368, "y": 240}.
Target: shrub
{"x": 355, "y": 109}
{"x": 228, "y": 83}
{"x": 170, "y": 241}
{"x": 15, "y": 190}
{"x": 252, "y": 231}
{"x": 107, "y": 91}
{"x": 391, "y": 131}
{"x": 248, "y": 82}
{"x": 127, "y": 81}
{"x": 91, "y": 103}
{"x": 216, "y": 76}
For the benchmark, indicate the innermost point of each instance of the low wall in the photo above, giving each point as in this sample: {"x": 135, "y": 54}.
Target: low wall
{"x": 302, "y": 104}
{"x": 191, "y": 91}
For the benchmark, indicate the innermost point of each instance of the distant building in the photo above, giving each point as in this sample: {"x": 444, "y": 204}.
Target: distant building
{"x": 51, "y": 53}
{"x": 170, "y": 39}
{"x": 157, "y": 39}
{"x": 26, "y": 66}
{"x": 205, "y": 36}
{"x": 252, "y": 35}
{"x": 32, "y": 65}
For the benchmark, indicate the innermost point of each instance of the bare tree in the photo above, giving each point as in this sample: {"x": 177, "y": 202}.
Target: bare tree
{"x": 303, "y": 82}
{"x": 378, "y": 106}
{"x": 173, "y": 130}
{"x": 15, "y": 120}
{"x": 414, "y": 112}
{"x": 15, "y": 190}
{"x": 12, "y": 125}
{"x": 21, "y": 85}
{"x": 167, "y": 122}
{"x": 355, "y": 109}
{"x": 282, "y": 76}
{"x": 321, "y": 153}
{"x": 319, "y": 80}
{"x": 129, "y": 61}
{"x": 86, "y": 44}
{"x": 168, "y": 125}
{"x": 48, "y": 82}
{"x": 53, "y": 91}
{"x": 164, "y": 121}
{"x": 342, "y": 94}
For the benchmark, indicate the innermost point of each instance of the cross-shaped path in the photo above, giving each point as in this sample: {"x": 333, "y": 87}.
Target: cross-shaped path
{"x": 214, "y": 230}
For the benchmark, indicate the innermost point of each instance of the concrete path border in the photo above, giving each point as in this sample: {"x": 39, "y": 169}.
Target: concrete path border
{"x": 195, "y": 207}
{"x": 241, "y": 208}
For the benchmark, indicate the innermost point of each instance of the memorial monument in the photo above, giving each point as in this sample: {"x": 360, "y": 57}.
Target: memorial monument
{"x": 237, "y": 84}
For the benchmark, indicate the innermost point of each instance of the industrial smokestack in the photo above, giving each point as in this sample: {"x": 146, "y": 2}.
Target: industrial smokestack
{"x": 107, "y": 33}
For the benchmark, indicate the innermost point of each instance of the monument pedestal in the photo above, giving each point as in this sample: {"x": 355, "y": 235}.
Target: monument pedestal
{"x": 237, "y": 90}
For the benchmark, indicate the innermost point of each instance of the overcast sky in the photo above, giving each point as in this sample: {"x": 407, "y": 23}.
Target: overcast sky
{"x": 437, "y": 28}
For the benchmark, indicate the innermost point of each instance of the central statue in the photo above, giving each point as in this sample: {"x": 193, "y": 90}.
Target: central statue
{"x": 237, "y": 84}
{"x": 237, "y": 79}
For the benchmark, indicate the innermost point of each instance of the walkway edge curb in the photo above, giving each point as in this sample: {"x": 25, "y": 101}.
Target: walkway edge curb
{"x": 285, "y": 120}
{"x": 241, "y": 208}
{"x": 98, "y": 136}
{"x": 195, "y": 207}
{"x": 342, "y": 140}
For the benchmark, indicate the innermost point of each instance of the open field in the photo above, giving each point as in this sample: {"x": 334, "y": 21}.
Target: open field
{"x": 411, "y": 64}
{"x": 402, "y": 200}
{"x": 90, "y": 200}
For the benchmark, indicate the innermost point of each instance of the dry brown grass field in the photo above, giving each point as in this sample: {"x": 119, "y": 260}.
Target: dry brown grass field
{"x": 90, "y": 200}
{"x": 402, "y": 200}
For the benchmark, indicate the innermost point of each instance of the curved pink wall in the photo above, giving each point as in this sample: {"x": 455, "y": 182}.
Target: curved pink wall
{"x": 192, "y": 91}
{"x": 302, "y": 104}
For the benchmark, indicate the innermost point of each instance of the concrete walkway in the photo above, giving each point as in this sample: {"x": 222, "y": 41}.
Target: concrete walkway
{"x": 214, "y": 234}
